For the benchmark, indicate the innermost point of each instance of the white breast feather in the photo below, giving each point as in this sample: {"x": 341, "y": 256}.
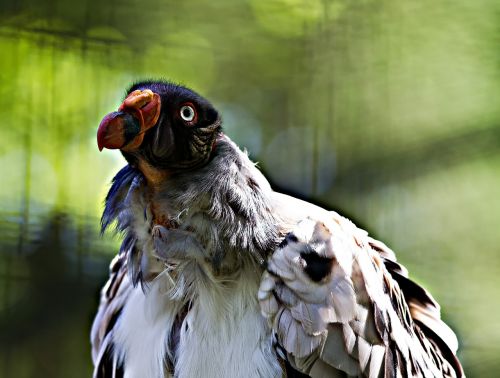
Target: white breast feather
{"x": 223, "y": 334}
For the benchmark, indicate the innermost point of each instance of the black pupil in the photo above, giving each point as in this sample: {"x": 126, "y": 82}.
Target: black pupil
{"x": 186, "y": 112}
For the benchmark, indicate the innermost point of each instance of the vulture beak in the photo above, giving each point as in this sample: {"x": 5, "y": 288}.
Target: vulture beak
{"x": 125, "y": 128}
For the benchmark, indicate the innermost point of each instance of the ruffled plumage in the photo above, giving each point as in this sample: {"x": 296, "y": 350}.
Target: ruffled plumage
{"x": 363, "y": 316}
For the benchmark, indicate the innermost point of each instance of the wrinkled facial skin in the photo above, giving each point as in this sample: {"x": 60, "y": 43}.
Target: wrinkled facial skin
{"x": 165, "y": 125}
{"x": 125, "y": 128}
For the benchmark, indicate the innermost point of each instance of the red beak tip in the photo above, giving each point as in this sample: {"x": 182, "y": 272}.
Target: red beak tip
{"x": 100, "y": 143}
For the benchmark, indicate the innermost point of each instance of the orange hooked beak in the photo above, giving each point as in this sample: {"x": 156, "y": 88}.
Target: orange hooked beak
{"x": 125, "y": 128}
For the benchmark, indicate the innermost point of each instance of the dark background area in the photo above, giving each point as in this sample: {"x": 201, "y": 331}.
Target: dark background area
{"x": 386, "y": 111}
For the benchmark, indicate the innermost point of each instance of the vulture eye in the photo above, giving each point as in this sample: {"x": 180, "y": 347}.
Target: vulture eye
{"x": 188, "y": 113}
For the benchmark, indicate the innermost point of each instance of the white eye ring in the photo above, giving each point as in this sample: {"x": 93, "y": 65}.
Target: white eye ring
{"x": 187, "y": 113}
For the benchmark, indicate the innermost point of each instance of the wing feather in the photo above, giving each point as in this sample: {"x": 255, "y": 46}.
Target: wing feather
{"x": 340, "y": 302}
{"x": 113, "y": 298}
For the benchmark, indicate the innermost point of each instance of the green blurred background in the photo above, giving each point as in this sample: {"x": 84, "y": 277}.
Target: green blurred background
{"x": 387, "y": 111}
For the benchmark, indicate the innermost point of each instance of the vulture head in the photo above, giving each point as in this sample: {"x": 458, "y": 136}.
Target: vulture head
{"x": 161, "y": 125}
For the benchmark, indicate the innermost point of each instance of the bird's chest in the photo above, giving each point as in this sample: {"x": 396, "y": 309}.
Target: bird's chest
{"x": 224, "y": 335}
{"x": 195, "y": 326}
{"x": 188, "y": 321}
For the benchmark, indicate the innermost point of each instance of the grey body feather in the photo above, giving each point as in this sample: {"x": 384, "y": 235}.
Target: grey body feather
{"x": 200, "y": 271}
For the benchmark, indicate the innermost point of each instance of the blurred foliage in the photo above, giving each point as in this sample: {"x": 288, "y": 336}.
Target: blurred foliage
{"x": 385, "y": 110}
